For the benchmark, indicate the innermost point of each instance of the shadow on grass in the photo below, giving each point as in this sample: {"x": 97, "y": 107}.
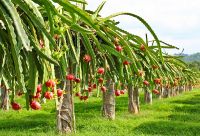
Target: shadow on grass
{"x": 188, "y": 109}
{"x": 191, "y": 105}
{"x": 193, "y": 101}
{"x": 183, "y": 121}
{"x": 168, "y": 128}
{"x": 95, "y": 106}
{"x": 90, "y": 106}
{"x": 185, "y": 118}
{"x": 35, "y": 123}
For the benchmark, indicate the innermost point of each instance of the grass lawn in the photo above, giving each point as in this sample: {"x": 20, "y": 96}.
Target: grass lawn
{"x": 177, "y": 116}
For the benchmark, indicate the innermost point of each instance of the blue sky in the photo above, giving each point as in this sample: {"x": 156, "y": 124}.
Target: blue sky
{"x": 175, "y": 21}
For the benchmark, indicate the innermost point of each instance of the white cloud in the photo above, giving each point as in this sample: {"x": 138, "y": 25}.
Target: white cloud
{"x": 176, "y": 21}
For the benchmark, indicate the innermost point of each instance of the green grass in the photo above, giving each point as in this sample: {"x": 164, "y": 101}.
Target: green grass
{"x": 177, "y": 116}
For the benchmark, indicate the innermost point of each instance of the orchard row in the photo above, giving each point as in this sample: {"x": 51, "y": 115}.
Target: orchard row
{"x": 55, "y": 49}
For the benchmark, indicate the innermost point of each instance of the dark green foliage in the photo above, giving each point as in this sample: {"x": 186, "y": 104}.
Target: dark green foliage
{"x": 192, "y": 58}
{"x": 194, "y": 65}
